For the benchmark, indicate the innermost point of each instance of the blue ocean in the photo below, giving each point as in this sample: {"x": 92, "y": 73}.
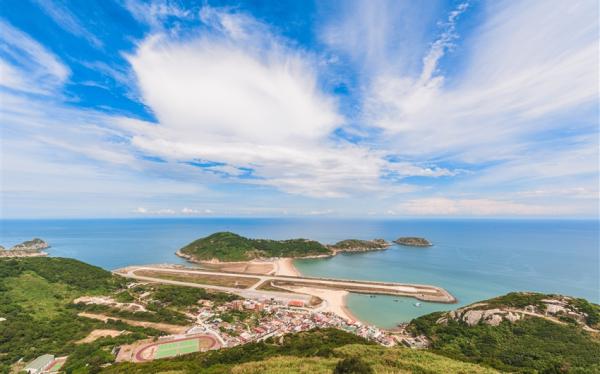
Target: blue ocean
{"x": 473, "y": 259}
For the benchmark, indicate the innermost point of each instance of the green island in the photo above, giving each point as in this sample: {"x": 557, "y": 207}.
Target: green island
{"x": 412, "y": 241}
{"x": 229, "y": 247}
{"x": 357, "y": 245}
{"x": 47, "y": 306}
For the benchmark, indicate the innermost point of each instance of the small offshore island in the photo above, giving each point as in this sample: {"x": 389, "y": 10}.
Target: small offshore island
{"x": 29, "y": 248}
{"x": 412, "y": 241}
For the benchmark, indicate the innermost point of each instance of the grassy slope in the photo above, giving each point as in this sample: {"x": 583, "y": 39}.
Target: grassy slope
{"x": 227, "y": 246}
{"x": 35, "y": 294}
{"x": 529, "y": 345}
{"x": 380, "y": 359}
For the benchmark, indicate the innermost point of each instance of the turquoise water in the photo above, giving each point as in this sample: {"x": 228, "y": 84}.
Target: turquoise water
{"x": 473, "y": 259}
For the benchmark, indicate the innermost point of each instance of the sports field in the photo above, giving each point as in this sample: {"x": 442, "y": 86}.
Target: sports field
{"x": 175, "y": 347}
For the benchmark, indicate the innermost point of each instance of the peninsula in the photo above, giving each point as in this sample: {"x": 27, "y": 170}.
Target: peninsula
{"x": 29, "y": 248}
{"x": 411, "y": 241}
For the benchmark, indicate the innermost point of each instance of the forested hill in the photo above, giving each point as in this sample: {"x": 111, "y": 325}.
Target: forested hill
{"x": 519, "y": 332}
{"x": 35, "y": 294}
{"x": 227, "y": 246}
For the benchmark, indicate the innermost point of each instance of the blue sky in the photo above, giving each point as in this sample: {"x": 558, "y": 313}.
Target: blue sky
{"x": 299, "y": 108}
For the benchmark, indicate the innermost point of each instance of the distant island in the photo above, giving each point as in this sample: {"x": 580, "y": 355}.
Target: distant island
{"x": 412, "y": 241}
{"x": 356, "y": 245}
{"x": 29, "y": 248}
{"x": 230, "y": 247}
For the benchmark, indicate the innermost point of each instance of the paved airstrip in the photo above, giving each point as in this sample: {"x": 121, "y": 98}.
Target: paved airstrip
{"x": 418, "y": 291}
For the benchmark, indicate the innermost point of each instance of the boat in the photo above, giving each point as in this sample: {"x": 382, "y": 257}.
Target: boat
{"x": 417, "y": 304}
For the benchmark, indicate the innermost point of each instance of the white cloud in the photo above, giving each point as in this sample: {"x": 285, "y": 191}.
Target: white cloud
{"x": 155, "y": 212}
{"x": 441, "y": 206}
{"x": 512, "y": 80}
{"x": 247, "y": 100}
{"x": 155, "y": 13}
{"x": 25, "y": 65}
{"x": 192, "y": 211}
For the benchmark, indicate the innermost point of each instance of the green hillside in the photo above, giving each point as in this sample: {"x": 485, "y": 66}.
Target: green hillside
{"x": 227, "y": 246}
{"x": 554, "y": 342}
{"x": 36, "y": 296}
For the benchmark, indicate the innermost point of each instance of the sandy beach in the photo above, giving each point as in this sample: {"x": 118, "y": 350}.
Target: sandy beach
{"x": 285, "y": 266}
{"x": 333, "y": 300}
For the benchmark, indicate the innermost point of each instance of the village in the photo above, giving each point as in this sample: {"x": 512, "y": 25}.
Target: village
{"x": 275, "y": 319}
{"x": 229, "y": 324}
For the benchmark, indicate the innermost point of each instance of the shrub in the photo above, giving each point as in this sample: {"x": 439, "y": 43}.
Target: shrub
{"x": 352, "y": 365}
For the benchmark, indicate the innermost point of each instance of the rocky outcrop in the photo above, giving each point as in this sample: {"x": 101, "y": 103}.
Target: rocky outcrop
{"x": 413, "y": 241}
{"x": 32, "y": 245}
{"x": 29, "y": 248}
{"x": 557, "y": 308}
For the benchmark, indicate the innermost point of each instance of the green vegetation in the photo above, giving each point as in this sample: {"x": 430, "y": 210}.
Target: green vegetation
{"x": 227, "y": 246}
{"x": 591, "y": 310}
{"x": 35, "y": 299}
{"x": 356, "y": 244}
{"x": 530, "y": 345}
{"x": 518, "y": 300}
{"x": 187, "y": 296}
{"x": 352, "y": 365}
{"x": 412, "y": 241}
{"x": 156, "y": 313}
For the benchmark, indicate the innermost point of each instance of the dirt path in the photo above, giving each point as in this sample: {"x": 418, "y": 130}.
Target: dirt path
{"x": 97, "y": 334}
{"x": 171, "y": 329}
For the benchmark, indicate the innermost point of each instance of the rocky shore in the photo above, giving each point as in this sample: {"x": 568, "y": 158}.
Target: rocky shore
{"x": 29, "y": 248}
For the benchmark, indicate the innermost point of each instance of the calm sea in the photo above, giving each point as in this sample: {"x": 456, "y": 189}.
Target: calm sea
{"x": 473, "y": 259}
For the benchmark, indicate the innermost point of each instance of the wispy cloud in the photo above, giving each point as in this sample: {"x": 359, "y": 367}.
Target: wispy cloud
{"x": 60, "y": 14}
{"x": 259, "y": 108}
{"x": 426, "y": 115}
{"x": 26, "y": 65}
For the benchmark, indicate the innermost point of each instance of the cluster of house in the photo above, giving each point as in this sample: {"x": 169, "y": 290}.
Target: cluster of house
{"x": 274, "y": 318}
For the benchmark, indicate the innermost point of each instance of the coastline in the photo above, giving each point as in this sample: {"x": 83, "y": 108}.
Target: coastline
{"x": 336, "y": 300}
{"x": 285, "y": 266}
